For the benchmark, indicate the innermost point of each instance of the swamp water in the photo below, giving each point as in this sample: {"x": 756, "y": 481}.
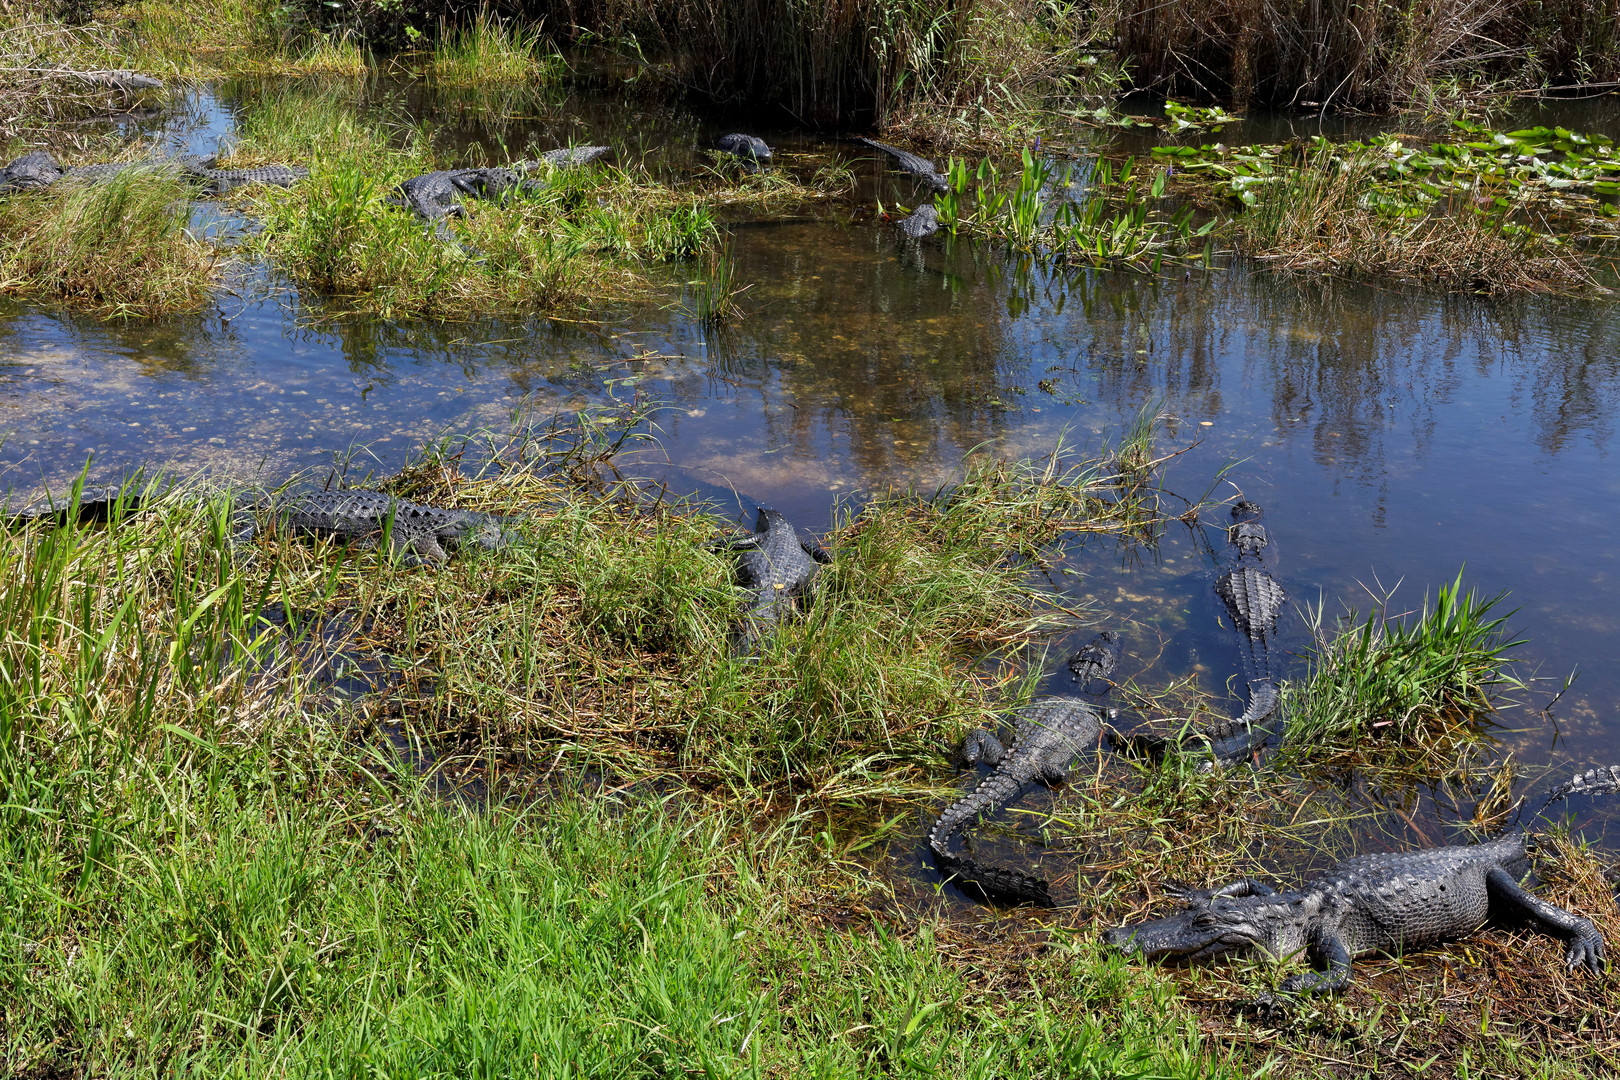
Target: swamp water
{"x": 1393, "y": 435}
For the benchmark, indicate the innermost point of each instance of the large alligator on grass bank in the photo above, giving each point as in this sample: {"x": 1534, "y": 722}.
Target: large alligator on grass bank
{"x": 778, "y": 565}
{"x": 920, "y": 167}
{"x": 416, "y": 533}
{"x": 1047, "y": 735}
{"x": 39, "y": 169}
{"x": 1373, "y": 903}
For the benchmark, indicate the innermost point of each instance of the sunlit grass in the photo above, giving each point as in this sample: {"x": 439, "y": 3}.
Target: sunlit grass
{"x": 488, "y": 50}
{"x": 1399, "y": 688}
{"x": 115, "y": 249}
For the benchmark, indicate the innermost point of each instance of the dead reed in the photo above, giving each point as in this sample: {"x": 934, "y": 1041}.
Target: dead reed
{"x": 1349, "y": 54}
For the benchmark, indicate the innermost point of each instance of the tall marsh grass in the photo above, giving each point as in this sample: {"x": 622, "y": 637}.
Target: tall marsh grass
{"x": 1409, "y": 685}
{"x": 119, "y": 249}
{"x": 865, "y": 62}
{"x": 1345, "y": 53}
{"x": 486, "y": 49}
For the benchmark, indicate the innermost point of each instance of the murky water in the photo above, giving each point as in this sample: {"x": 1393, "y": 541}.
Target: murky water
{"x": 1394, "y": 435}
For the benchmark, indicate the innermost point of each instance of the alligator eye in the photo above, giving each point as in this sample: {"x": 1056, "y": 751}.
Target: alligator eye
{"x": 1203, "y": 920}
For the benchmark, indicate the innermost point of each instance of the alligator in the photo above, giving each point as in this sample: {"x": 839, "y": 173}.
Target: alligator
{"x": 39, "y": 169}
{"x": 417, "y": 533}
{"x": 778, "y": 564}
{"x": 225, "y": 181}
{"x": 93, "y": 504}
{"x": 1253, "y": 601}
{"x": 33, "y": 170}
{"x": 924, "y": 221}
{"x": 567, "y": 157}
{"x": 1095, "y": 661}
{"x": 1047, "y": 735}
{"x": 435, "y": 196}
{"x": 921, "y": 168}
{"x": 748, "y": 149}
{"x": 1373, "y": 903}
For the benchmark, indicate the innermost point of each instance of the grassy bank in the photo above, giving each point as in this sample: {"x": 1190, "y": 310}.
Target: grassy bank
{"x": 585, "y": 239}
{"x": 634, "y": 855}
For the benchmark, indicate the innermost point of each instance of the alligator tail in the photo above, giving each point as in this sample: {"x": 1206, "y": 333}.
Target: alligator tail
{"x": 1592, "y": 782}
{"x": 992, "y": 882}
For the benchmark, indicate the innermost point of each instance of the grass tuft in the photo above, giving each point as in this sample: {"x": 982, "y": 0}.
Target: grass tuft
{"x": 119, "y": 249}
{"x": 488, "y": 50}
{"x": 1321, "y": 218}
{"x": 1424, "y": 682}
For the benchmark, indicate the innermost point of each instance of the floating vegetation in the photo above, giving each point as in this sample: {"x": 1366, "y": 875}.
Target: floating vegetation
{"x": 1488, "y": 211}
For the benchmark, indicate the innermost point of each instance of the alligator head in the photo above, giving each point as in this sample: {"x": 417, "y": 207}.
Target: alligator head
{"x": 1196, "y": 934}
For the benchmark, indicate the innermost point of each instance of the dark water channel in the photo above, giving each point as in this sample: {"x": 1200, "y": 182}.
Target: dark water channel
{"x": 1393, "y": 435}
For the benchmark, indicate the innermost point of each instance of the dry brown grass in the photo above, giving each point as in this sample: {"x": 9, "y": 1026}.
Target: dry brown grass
{"x": 1316, "y": 219}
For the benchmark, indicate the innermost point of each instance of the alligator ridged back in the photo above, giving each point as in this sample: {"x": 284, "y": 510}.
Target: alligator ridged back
{"x": 1600, "y": 781}
{"x": 993, "y": 882}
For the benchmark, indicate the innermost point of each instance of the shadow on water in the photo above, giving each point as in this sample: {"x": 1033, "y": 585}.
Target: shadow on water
{"x": 1394, "y": 435}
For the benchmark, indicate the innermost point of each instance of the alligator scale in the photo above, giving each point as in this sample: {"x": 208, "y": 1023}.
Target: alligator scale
{"x": 778, "y": 565}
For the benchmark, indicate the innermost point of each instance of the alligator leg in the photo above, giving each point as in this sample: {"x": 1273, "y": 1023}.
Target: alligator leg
{"x": 1585, "y": 943}
{"x": 1332, "y": 949}
{"x": 981, "y": 745}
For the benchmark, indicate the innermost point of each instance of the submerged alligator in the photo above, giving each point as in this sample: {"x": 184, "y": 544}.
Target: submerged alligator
{"x": 749, "y": 149}
{"x": 1047, "y": 735}
{"x": 39, "y": 169}
{"x": 1253, "y": 601}
{"x": 416, "y": 533}
{"x": 1095, "y": 661}
{"x": 778, "y": 565}
{"x": 1373, "y": 903}
{"x": 924, "y": 221}
{"x": 920, "y": 167}
{"x": 436, "y": 196}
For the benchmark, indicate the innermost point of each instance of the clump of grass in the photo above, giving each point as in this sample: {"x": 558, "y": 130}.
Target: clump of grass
{"x": 486, "y": 49}
{"x": 1423, "y": 683}
{"x": 585, "y": 240}
{"x": 119, "y": 249}
{"x": 1321, "y": 217}
{"x": 714, "y": 294}
{"x": 332, "y": 55}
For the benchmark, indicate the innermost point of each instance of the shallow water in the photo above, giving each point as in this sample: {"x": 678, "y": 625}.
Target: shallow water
{"x": 1393, "y": 435}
